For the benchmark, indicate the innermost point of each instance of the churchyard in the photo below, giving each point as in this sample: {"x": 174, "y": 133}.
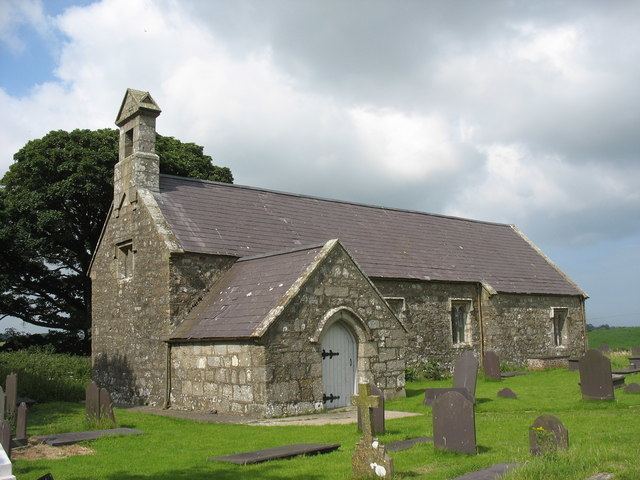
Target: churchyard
{"x": 602, "y": 438}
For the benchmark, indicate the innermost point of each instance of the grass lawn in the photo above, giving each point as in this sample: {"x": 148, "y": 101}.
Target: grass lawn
{"x": 603, "y": 438}
{"x": 618, "y": 338}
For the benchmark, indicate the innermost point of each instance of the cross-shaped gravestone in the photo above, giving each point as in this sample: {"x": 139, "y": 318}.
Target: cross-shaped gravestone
{"x": 369, "y": 459}
{"x": 365, "y": 402}
{"x": 11, "y": 395}
{"x": 547, "y": 435}
{"x": 21, "y": 423}
{"x": 376, "y": 413}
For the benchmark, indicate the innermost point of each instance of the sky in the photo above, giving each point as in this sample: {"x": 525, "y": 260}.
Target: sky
{"x": 510, "y": 111}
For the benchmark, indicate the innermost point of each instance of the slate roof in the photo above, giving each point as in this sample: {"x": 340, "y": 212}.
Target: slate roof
{"x": 218, "y": 218}
{"x": 242, "y": 299}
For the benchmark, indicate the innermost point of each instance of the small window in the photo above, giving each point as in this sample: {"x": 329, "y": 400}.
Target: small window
{"x": 397, "y": 305}
{"x": 460, "y": 321}
{"x": 128, "y": 143}
{"x": 559, "y": 320}
{"x": 125, "y": 255}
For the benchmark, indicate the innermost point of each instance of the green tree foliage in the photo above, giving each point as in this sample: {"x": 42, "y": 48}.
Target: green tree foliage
{"x": 53, "y": 202}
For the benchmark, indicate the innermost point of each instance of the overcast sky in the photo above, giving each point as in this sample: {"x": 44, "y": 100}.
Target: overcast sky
{"x": 519, "y": 112}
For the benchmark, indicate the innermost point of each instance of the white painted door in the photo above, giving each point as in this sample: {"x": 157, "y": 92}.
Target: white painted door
{"x": 339, "y": 360}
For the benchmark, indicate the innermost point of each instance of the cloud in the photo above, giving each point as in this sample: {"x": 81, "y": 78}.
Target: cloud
{"x": 15, "y": 14}
{"x": 518, "y": 113}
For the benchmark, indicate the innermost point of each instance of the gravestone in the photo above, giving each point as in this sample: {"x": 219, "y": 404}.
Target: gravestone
{"x": 276, "y": 453}
{"x": 596, "y": 381}
{"x": 632, "y": 388}
{"x": 92, "y": 401}
{"x": 465, "y": 375}
{"x": 491, "y": 365}
{"x": 454, "y": 424}
{"x": 11, "y": 397}
{"x": 2, "y": 404}
{"x": 507, "y": 393}
{"x": 21, "y": 423}
{"x": 376, "y": 413}
{"x": 106, "y": 406}
{"x": 547, "y": 435}
{"x": 5, "y": 436}
{"x": 370, "y": 459}
{"x": 47, "y": 476}
{"x": 605, "y": 348}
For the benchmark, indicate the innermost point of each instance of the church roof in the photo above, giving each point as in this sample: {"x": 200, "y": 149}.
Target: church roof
{"x": 239, "y": 221}
{"x": 250, "y": 295}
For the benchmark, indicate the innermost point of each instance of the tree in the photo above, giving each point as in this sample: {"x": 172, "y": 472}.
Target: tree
{"x": 53, "y": 202}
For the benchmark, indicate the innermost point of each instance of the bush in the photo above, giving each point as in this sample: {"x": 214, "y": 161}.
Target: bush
{"x": 429, "y": 370}
{"x": 45, "y": 376}
{"x": 58, "y": 342}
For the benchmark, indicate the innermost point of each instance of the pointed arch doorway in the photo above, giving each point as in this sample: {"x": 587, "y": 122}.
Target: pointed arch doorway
{"x": 339, "y": 365}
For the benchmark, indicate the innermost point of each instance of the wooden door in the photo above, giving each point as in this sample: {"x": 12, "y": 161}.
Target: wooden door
{"x": 339, "y": 360}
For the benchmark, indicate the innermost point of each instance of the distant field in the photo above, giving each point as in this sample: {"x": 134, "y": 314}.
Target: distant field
{"x": 619, "y": 338}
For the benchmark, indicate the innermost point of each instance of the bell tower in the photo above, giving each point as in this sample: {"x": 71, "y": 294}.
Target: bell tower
{"x": 138, "y": 165}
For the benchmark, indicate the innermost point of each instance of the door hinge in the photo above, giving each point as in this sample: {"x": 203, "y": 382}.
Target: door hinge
{"x": 329, "y": 398}
{"x": 329, "y": 354}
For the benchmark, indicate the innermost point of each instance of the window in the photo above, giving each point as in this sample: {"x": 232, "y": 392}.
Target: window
{"x": 128, "y": 143}
{"x": 460, "y": 321}
{"x": 397, "y": 305}
{"x": 124, "y": 254}
{"x": 559, "y": 319}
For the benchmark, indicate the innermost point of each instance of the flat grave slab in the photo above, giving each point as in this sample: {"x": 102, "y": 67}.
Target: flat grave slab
{"x": 492, "y": 473}
{"x": 513, "y": 374}
{"x": 626, "y": 371}
{"x": 277, "y": 453}
{"x": 407, "y": 444}
{"x": 70, "y": 438}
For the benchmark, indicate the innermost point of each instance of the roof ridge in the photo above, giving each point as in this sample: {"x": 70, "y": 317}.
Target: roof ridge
{"x": 275, "y": 253}
{"x": 334, "y": 200}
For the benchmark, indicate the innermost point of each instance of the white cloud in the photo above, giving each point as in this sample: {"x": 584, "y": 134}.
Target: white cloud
{"x": 17, "y": 13}
{"x": 494, "y": 127}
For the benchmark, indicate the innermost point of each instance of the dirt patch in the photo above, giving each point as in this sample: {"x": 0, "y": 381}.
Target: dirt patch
{"x": 39, "y": 451}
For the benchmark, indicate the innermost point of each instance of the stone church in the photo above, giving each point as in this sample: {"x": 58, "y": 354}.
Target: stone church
{"x": 256, "y": 302}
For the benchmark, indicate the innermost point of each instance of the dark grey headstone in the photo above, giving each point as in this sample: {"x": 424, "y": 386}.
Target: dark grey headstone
{"x": 547, "y": 435}
{"x": 277, "y": 453}
{"x": 491, "y": 365}
{"x": 465, "y": 372}
{"x": 454, "y": 424}
{"x": 507, "y": 393}
{"x": 21, "y": 422}
{"x": 494, "y": 472}
{"x": 635, "y": 351}
{"x": 92, "y": 401}
{"x": 377, "y": 414}
{"x": 2, "y": 404}
{"x": 11, "y": 392}
{"x": 430, "y": 394}
{"x": 605, "y": 348}
{"x": 59, "y": 439}
{"x": 632, "y": 388}
{"x": 106, "y": 406}
{"x": 5, "y": 436}
{"x": 407, "y": 444}
{"x": 596, "y": 382}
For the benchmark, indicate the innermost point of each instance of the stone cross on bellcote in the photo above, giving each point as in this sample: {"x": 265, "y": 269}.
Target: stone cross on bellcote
{"x": 365, "y": 402}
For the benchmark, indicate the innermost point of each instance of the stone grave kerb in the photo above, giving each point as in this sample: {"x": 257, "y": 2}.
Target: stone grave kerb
{"x": 364, "y": 401}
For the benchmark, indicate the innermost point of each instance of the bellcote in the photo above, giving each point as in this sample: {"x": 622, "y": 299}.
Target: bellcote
{"x": 138, "y": 165}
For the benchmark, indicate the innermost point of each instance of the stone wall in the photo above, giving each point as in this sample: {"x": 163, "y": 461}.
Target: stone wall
{"x": 428, "y": 317}
{"x": 226, "y": 377}
{"x": 191, "y": 276}
{"x": 294, "y": 364}
{"x": 519, "y": 327}
{"x": 131, "y": 315}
